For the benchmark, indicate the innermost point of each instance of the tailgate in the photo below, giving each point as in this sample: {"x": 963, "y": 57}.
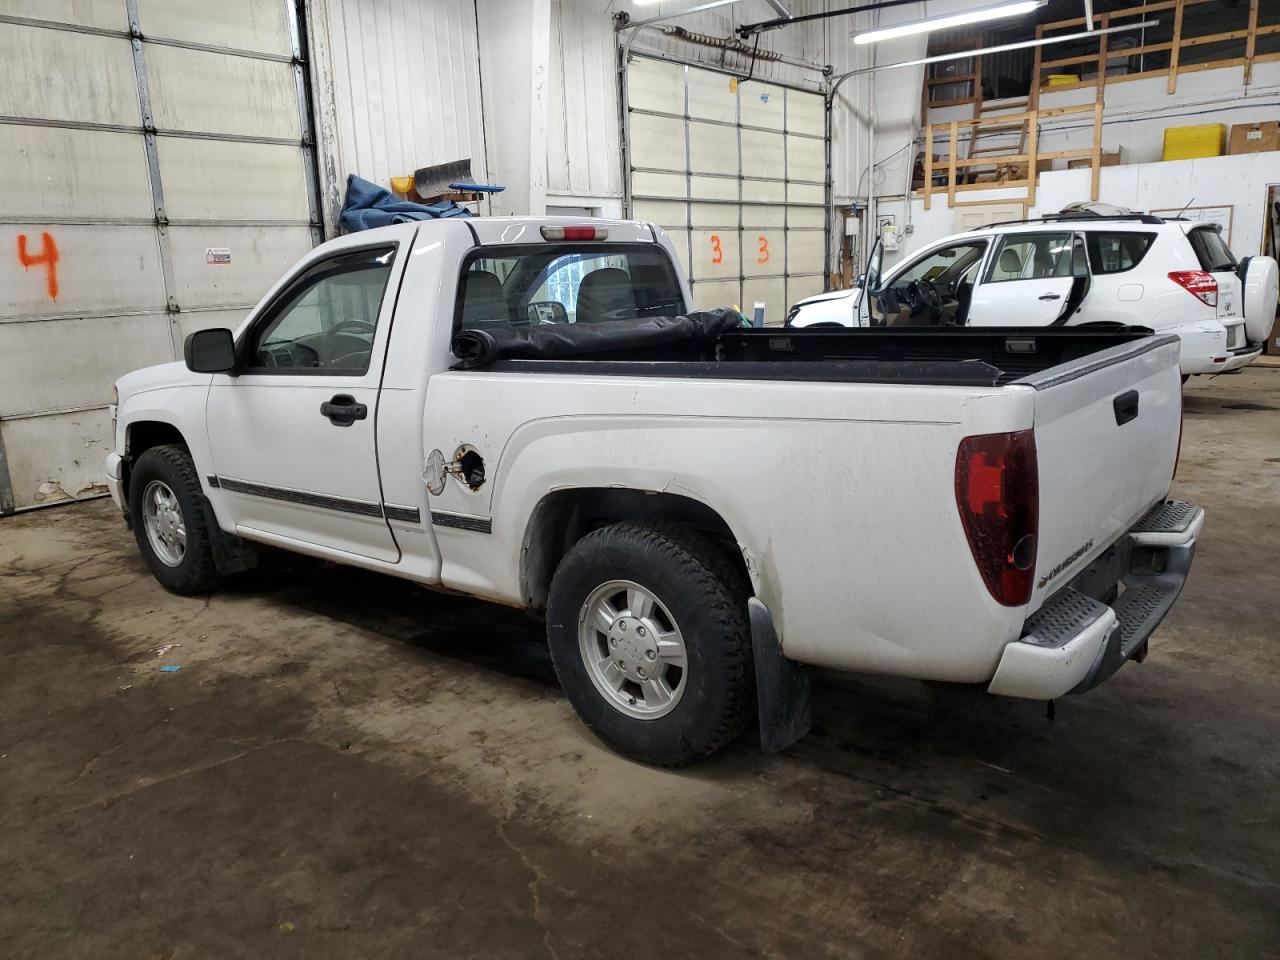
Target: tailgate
{"x": 1106, "y": 431}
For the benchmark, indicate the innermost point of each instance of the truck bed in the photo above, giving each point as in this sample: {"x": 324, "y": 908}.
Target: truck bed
{"x": 944, "y": 357}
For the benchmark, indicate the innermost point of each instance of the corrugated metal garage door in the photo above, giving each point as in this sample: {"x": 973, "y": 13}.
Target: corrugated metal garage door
{"x": 158, "y": 180}
{"x": 735, "y": 172}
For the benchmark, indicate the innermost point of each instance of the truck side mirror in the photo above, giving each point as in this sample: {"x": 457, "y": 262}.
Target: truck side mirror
{"x": 210, "y": 351}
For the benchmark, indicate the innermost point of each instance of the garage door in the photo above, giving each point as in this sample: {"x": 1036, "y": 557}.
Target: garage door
{"x": 156, "y": 181}
{"x": 735, "y": 172}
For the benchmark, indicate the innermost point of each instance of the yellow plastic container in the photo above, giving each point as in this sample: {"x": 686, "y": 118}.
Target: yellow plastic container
{"x": 1062, "y": 79}
{"x": 1187, "y": 143}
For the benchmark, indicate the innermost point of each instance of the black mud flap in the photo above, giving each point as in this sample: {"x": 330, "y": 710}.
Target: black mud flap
{"x": 782, "y": 685}
{"x": 231, "y": 554}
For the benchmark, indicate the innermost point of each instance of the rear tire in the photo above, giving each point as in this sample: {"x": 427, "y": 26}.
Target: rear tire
{"x": 669, "y": 681}
{"x": 169, "y": 522}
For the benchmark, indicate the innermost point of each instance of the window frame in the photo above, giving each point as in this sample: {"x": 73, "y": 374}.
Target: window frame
{"x": 1093, "y": 237}
{"x": 1072, "y": 235}
{"x": 897, "y": 276}
{"x": 595, "y": 248}
{"x": 287, "y": 295}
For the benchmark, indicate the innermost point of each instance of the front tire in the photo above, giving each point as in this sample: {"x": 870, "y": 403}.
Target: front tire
{"x": 650, "y": 639}
{"x": 169, "y": 522}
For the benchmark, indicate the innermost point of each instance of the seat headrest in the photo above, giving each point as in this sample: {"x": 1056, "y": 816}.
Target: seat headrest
{"x": 1010, "y": 262}
{"x": 603, "y": 292}
{"x": 483, "y": 300}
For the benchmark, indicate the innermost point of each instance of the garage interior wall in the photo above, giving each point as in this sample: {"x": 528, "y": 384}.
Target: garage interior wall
{"x": 127, "y": 220}
{"x": 170, "y": 102}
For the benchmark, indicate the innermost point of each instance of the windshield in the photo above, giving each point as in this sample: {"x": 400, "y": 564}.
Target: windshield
{"x": 551, "y": 284}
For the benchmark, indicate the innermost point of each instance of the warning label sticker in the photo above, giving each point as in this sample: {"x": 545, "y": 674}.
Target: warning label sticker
{"x": 217, "y": 255}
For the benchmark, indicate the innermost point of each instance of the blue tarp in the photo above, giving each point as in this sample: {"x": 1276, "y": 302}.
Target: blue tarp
{"x": 369, "y": 205}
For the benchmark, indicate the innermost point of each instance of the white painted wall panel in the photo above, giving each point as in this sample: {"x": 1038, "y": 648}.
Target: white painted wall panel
{"x": 655, "y": 85}
{"x": 227, "y": 180}
{"x": 806, "y": 159}
{"x": 397, "y": 84}
{"x": 57, "y": 457}
{"x": 56, "y": 172}
{"x": 713, "y": 148}
{"x": 763, "y": 105}
{"x": 657, "y": 142}
{"x": 712, "y": 96}
{"x": 59, "y": 75}
{"x": 240, "y": 24}
{"x": 193, "y": 90}
{"x": 259, "y": 255}
{"x": 90, "y": 302}
{"x": 582, "y": 123}
{"x": 189, "y": 321}
{"x": 99, "y": 269}
{"x": 106, "y": 14}
{"x": 72, "y": 363}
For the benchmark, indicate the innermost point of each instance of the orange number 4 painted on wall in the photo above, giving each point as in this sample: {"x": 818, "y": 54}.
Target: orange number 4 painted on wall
{"x": 47, "y": 258}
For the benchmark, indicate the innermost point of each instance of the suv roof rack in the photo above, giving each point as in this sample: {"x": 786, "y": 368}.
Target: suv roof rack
{"x": 1079, "y": 215}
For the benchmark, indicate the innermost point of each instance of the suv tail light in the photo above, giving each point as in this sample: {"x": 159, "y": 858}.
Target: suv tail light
{"x": 1201, "y": 285}
{"x": 998, "y": 493}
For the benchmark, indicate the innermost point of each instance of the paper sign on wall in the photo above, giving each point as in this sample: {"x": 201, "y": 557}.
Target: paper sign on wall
{"x": 217, "y": 255}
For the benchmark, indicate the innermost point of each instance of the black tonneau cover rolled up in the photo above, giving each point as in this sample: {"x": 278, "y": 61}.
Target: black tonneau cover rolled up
{"x": 562, "y": 341}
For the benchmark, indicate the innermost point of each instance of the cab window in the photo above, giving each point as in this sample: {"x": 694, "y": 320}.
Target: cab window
{"x": 325, "y": 321}
{"x": 538, "y": 285}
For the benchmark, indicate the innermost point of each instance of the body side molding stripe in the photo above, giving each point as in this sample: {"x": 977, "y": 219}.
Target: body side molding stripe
{"x": 363, "y": 508}
{"x": 462, "y": 521}
{"x": 409, "y": 514}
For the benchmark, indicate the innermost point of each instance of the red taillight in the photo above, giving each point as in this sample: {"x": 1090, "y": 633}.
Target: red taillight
{"x": 1201, "y": 285}
{"x": 998, "y": 493}
{"x": 575, "y": 233}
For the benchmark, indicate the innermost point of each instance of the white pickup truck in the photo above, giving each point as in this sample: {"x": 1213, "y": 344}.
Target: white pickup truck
{"x": 523, "y": 411}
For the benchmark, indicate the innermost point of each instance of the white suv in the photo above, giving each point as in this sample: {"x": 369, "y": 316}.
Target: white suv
{"x": 1071, "y": 269}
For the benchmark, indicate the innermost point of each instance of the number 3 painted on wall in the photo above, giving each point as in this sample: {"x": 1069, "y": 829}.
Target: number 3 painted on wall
{"x": 764, "y": 249}
{"x": 717, "y": 254}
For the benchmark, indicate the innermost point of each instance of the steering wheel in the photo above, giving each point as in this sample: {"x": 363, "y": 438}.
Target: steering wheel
{"x": 342, "y": 325}
{"x": 927, "y": 295}
{"x": 349, "y": 330}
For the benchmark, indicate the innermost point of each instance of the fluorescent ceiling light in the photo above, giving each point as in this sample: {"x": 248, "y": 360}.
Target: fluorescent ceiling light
{"x": 980, "y": 15}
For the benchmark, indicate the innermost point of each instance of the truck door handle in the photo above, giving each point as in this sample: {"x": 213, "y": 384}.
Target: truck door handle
{"x": 1126, "y": 407}
{"x": 343, "y": 410}
{"x": 1050, "y": 296}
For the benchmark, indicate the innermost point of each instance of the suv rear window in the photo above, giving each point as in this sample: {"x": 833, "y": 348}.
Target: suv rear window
{"x": 1118, "y": 251}
{"x": 564, "y": 283}
{"x": 1211, "y": 250}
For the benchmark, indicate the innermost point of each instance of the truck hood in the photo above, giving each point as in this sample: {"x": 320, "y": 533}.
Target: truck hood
{"x": 173, "y": 374}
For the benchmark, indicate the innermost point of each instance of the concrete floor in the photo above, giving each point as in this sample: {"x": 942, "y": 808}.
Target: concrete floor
{"x": 349, "y": 766}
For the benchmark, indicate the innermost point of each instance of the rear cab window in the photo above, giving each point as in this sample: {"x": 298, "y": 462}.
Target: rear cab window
{"x": 542, "y": 284}
{"x": 1211, "y": 250}
{"x": 1116, "y": 251}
